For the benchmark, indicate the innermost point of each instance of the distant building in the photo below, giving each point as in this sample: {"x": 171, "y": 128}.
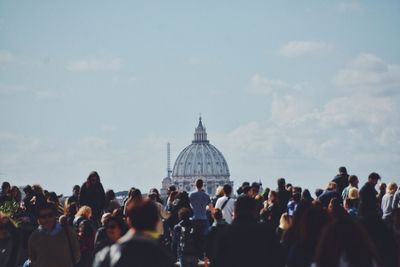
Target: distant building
{"x": 199, "y": 160}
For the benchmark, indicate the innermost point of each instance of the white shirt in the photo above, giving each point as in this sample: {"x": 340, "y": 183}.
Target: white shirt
{"x": 227, "y": 212}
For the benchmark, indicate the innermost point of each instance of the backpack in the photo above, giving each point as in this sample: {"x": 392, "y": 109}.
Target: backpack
{"x": 187, "y": 244}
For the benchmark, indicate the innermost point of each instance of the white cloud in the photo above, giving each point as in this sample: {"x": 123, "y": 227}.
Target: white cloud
{"x": 368, "y": 73}
{"x": 264, "y": 85}
{"x": 6, "y": 56}
{"x": 6, "y": 89}
{"x": 94, "y": 65}
{"x": 302, "y": 48}
{"x": 349, "y": 6}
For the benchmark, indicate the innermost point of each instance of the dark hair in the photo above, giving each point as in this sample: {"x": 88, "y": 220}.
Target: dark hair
{"x": 87, "y": 228}
{"x": 349, "y": 239}
{"x": 255, "y": 185}
{"x": 93, "y": 174}
{"x": 318, "y": 192}
{"x": 352, "y": 179}
{"x": 281, "y": 183}
{"x": 172, "y": 188}
{"x": 227, "y": 189}
{"x": 199, "y": 183}
{"x": 71, "y": 209}
{"x": 184, "y": 214}
{"x": 119, "y": 222}
{"x": 374, "y": 176}
{"x": 5, "y": 185}
{"x": 46, "y": 206}
{"x": 76, "y": 187}
{"x": 343, "y": 170}
{"x": 110, "y": 195}
{"x": 246, "y": 208}
{"x": 143, "y": 216}
{"x": 27, "y": 189}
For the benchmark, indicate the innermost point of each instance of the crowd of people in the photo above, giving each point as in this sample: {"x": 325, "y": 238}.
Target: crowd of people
{"x": 343, "y": 225}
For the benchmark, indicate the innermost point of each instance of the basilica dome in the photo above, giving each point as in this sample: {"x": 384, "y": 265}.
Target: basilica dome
{"x": 200, "y": 160}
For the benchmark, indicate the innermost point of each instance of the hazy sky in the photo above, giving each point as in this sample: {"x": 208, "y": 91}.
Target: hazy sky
{"x": 285, "y": 88}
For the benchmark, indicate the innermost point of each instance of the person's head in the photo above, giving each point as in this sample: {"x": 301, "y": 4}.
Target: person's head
{"x": 272, "y": 196}
{"x": 135, "y": 195}
{"x": 353, "y": 180}
{"x": 285, "y": 221}
{"x": 84, "y": 211}
{"x": 373, "y": 178}
{"x": 184, "y": 214}
{"x": 318, "y": 192}
{"x": 110, "y": 195}
{"x": 93, "y": 178}
{"x": 306, "y": 195}
{"x": 342, "y": 170}
{"x": 115, "y": 228}
{"x": 246, "y": 208}
{"x": 46, "y": 214}
{"x": 104, "y": 218}
{"x": 171, "y": 188}
{"x": 219, "y": 192}
{"x": 76, "y": 189}
{"x": 227, "y": 190}
{"x": 281, "y": 183}
{"x": 28, "y": 189}
{"x": 172, "y": 196}
{"x": 382, "y": 188}
{"x": 345, "y": 239}
{"x": 37, "y": 189}
{"x": 85, "y": 228}
{"x": 143, "y": 216}
{"x": 254, "y": 190}
{"x": 16, "y": 193}
{"x": 240, "y": 191}
{"x": 296, "y": 197}
{"x": 154, "y": 191}
{"x": 391, "y": 188}
{"x": 297, "y": 189}
{"x": 331, "y": 186}
{"x": 217, "y": 215}
{"x": 52, "y": 198}
{"x": 335, "y": 209}
{"x": 199, "y": 184}
{"x": 5, "y": 187}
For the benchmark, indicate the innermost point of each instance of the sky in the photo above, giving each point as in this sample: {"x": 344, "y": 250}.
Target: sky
{"x": 290, "y": 89}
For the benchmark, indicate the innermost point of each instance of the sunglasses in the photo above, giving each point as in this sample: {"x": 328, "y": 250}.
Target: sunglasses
{"x": 46, "y": 215}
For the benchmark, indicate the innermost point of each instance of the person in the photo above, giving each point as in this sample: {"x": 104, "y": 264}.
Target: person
{"x": 345, "y": 243}
{"x": 15, "y": 194}
{"x": 219, "y": 192}
{"x": 162, "y": 212}
{"x": 139, "y": 246}
{"x": 5, "y": 192}
{"x": 111, "y": 202}
{"x": 200, "y": 201}
{"x": 283, "y": 195}
{"x": 353, "y": 183}
{"x": 226, "y": 204}
{"x": 214, "y": 235}
{"x": 134, "y": 197}
{"x": 75, "y": 196}
{"x": 330, "y": 193}
{"x": 246, "y": 242}
{"x": 293, "y": 203}
{"x": 341, "y": 180}
{"x": 53, "y": 198}
{"x": 285, "y": 222}
{"x": 10, "y": 242}
{"x": 382, "y": 191}
{"x": 39, "y": 199}
{"x": 92, "y": 194}
{"x": 302, "y": 251}
{"x": 306, "y": 196}
{"x": 70, "y": 213}
{"x": 271, "y": 213}
{"x": 351, "y": 202}
{"x": 185, "y": 239}
{"x": 86, "y": 236}
{"x": 387, "y": 202}
{"x": 368, "y": 196}
{"x": 254, "y": 190}
{"x": 51, "y": 244}
{"x": 84, "y": 214}
{"x": 28, "y": 203}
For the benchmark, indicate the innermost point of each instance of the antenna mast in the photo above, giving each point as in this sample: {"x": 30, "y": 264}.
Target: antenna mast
{"x": 169, "y": 160}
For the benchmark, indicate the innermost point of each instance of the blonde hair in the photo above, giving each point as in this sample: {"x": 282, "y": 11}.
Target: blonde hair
{"x": 391, "y": 188}
{"x": 353, "y": 193}
{"x": 285, "y": 222}
{"x": 219, "y": 191}
{"x": 84, "y": 211}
